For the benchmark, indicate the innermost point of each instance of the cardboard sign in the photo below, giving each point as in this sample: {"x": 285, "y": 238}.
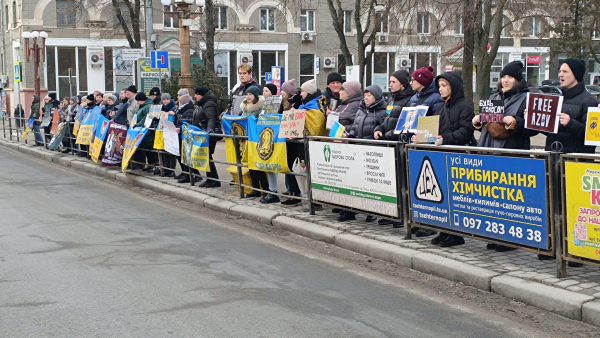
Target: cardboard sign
{"x": 592, "y": 127}
{"x": 409, "y": 118}
{"x": 292, "y": 124}
{"x": 491, "y": 111}
{"x": 542, "y": 112}
{"x": 428, "y": 129}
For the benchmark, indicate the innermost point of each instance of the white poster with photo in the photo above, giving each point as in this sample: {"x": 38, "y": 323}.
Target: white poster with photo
{"x": 222, "y": 64}
{"x": 171, "y": 138}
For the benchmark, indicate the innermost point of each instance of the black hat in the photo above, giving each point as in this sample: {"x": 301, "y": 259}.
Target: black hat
{"x": 272, "y": 88}
{"x": 577, "y": 67}
{"x": 403, "y": 76}
{"x": 155, "y": 91}
{"x": 514, "y": 69}
{"x": 140, "y": 96}
{"x": 335, "y": 76}
{"x": 132, "y": 89}
{"x": 90, "y": 97}
{"x": 202, "y": 90}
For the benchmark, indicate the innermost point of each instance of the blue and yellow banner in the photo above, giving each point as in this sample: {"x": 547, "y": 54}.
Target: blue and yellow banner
{"x": 58, "y": 136}
{"x": 195, "y": 148}
{"x": 135, "y": 135}
{"x": 86, "y": 131}
{"x": 28, "y": 129}
{"x": 235, "y": 125}
{"x": 100, "y": 132}
{"x": 266, "y": 151}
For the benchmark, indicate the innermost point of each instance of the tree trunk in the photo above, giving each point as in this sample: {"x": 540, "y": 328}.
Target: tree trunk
{"x": 209, "y": 55}
{"x": 337, "y": 15}
{"x": 468, "y": 46}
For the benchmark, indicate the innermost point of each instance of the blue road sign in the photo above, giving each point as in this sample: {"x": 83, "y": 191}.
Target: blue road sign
{"x": 17, "y": 72}
{"x": 159, "y": 59}
{"x": 268, "y": 77}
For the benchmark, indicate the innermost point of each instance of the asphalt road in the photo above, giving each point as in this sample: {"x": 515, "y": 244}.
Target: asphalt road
{"x": 84, "y": 258}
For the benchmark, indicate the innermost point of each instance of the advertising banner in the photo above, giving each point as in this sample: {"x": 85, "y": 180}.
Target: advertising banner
{"x": 266, "y": 151}
{"x": 592, "y": 127}
{"x": 115, "y": 143}
{"x": 356, "y": 176}
{"x": 541, "y": 112}
{"x": 135, "y": 135}
{"x": 234, "y": 125}
{"x": 473, "y": 194}
{"x": 582, "y": 186}
{"x": 99, "y": 137}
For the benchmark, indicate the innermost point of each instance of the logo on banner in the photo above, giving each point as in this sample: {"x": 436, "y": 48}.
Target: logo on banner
{"x": 327, "y": 153}
{"x": 266, "y": 146}
{"x": 428, "y": 187}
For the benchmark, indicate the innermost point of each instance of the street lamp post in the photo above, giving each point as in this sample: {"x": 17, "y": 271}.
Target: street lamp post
{"x": 185, "y": 17}
{"x": 32, "y": 53}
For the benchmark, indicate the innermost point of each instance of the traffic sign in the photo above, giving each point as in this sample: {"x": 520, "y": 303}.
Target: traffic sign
{"x": 268, "y": 76}
{"x": 18, "y": 72}
{"x": 159, "y": 59}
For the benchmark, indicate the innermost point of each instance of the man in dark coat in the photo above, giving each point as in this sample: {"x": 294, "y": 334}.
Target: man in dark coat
{"x": 238, "y": 92}
{"x": 402, "y": 92}
{"x": 121, "y": 116}
{"x": 206, "y": 116}
{"x": 573, "y": 116}
{"x": 334, "y": 84}
{"x": 35, "y": 114}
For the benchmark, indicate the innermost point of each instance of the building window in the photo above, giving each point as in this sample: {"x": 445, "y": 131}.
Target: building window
{"x": 341, "y": 64}
{"x": 459, "y": 27}
{"x": 382, "y": 23}
{"x": 170, "y": 20}
{"x": 6, "y": 16}
{"x": 307, "y": 67}
{"x": 348, "y": 22}
{"x": 263, "y": 61}
{"x": 65, "y": 13}
{"x": 125, "y": 14}
{"x": 14, "y": 14}
{"x": 423, "y": 23}
{"x": 534, "y": 26}
{"x": 307, "y": 20}
{"x": 221, "y": 18}
{"x": 267, "y": 19}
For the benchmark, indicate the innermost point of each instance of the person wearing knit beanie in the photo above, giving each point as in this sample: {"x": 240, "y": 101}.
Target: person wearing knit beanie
{"x": 184, "y": 99}
{"x": 289, "y": 87}
{"x": 269, "y": 89}
{"x": 351, "y": 87}
{"x": 577, "y": 67}
{"x": 165, "y": 96}
{"x": 423, "y": 78}
{"x": 254, "y": 90}
{"x": 375, "y": 91}
{"x": 141, "y": 97}
{"x": 112, "y": 97}
{"x": 183, "y": 91}
{"x": 402, "y": 76}
{"x": 155, "y": 91}
{"x": 132, "y": 89}
{"x": 334, "y": 77}
{"x": 514, "y": 69}
{"x": 309, "y": 87}
{"x": 90, "y": 97}
{"x": 202, "y": 90}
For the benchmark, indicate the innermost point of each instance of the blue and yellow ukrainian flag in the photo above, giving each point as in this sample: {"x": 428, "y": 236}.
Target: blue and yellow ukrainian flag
{"x": 337, "y": 130}
{"x": 235, "y": 125}
{"x": 86, "y": 131}
{"x": 266, "y": 151}
{"x": 135, "y": 135}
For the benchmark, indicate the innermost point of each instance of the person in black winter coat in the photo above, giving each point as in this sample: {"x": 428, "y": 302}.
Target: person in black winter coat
{"x": 573, "y": 116}
{"x": 402, "y": 93}
{"x": 456, "y": 128}
{"x": 121, "y": 115}
{"x": 334, "y": 85}
{"x": 206, "y": 116}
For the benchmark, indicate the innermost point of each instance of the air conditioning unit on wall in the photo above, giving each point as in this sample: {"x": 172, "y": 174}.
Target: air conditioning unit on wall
{"x": 329, "y": 62}
{"x": 403, "y": 63}
{"x": 423, "y": 38}
{"x": 246, "y": 57}
{"x": 96, "y": 56}
{"x": 382, "y": 38}
{"x": 306, "y": 37}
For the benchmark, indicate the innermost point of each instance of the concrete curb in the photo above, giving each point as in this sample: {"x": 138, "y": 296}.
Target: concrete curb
{"x": 563, "y": 302}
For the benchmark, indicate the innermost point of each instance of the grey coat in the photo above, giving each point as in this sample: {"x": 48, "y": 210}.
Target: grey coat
{"x": 348, "y": 109}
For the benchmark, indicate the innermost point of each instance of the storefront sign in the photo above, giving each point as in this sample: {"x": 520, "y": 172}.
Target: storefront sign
{"x": 149, "y": 77}
{"x": 534, "y": 60}
{"x": 582, "y": 185}
{"x": 498, "y": 197}
{"x": 541, "y": 112}
{"x": 357, "y": 176}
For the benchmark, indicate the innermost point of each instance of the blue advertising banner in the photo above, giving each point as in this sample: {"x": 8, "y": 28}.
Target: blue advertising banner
{"x": 492, "y": 196}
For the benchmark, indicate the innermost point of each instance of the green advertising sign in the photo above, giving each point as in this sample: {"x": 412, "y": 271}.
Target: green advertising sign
{"x": 149, "y": 77}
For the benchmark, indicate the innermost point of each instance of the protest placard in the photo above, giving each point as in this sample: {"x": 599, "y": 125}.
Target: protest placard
{"x": 542, "y": 112}
{"x": 409, "y": 118}
{"x": 171, "y": 138}
{"x": 153, "y": 113}
{"x": 491, "y": 111}
{"x": 272, "y": 104}
{"x": 428, "y": 129}
{"x": 592, "y": 129}
{"x": 292, "y": 124}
